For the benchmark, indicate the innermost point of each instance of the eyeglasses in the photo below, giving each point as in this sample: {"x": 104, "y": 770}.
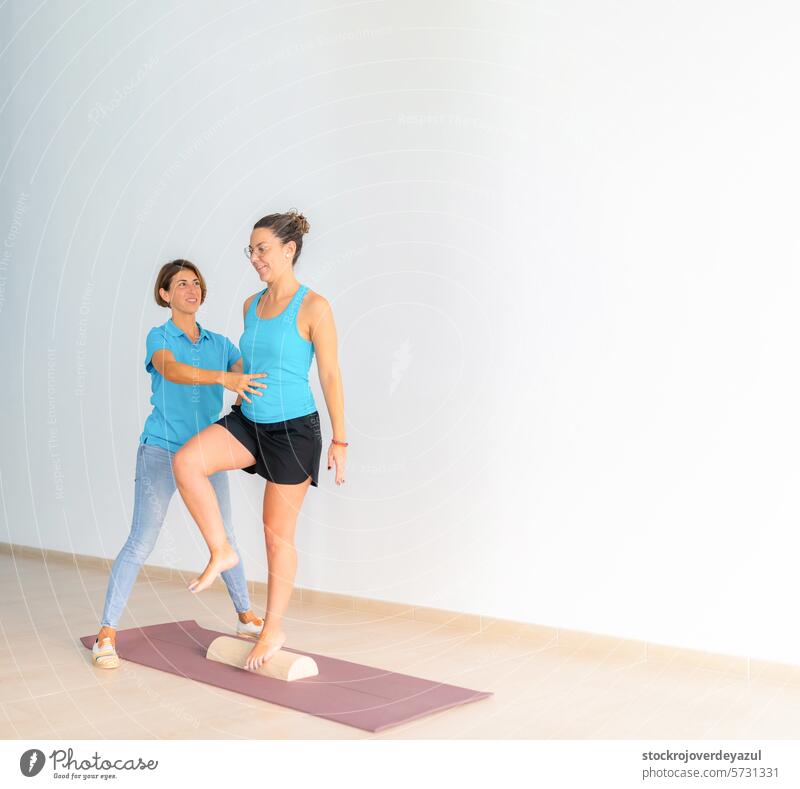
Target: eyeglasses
{"x": 260, "y": 251}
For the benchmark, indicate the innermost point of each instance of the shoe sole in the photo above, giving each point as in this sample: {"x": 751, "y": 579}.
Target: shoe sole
{"x": 106, "y": 664}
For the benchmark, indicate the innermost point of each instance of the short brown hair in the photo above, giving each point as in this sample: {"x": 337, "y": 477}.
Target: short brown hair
{"x": 290, "y": 226}
{"x": 168, "y": 271}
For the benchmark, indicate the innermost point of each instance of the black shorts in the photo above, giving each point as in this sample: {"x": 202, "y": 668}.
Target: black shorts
{"x": 286, "y": 452}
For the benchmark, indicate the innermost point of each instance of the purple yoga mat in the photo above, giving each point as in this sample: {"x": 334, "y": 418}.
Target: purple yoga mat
{"x": 366, "y": 697}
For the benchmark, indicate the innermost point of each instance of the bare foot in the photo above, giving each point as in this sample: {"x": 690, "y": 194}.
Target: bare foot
{"x": 264, "y": 649}
{"x": 221, "y": 559}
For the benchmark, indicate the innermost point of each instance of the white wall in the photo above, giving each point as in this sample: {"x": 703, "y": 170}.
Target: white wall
{"x": 560, "y": 241}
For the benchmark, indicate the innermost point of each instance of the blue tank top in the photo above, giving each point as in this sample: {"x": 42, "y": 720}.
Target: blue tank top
{"x": 274, "y": 346}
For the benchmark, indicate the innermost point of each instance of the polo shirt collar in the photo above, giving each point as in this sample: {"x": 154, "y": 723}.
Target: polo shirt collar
{"x": 174, "y": 331}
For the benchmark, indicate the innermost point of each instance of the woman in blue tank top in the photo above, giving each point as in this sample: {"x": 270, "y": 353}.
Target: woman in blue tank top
{"x": 275, "y": 433}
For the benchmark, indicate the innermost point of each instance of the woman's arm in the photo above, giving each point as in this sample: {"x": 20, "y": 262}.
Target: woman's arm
{"x": 180, "y": 373}
{"x": 237, "y": 367}
{"x": 323, "y": 335}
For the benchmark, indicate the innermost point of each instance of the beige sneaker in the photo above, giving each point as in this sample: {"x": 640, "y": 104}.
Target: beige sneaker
{"x": 104, "y": 655}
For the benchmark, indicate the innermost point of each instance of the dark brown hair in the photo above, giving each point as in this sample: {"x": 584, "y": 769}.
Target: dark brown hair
{"x": 168, "y": 271}
{"x": 290, "y": 226}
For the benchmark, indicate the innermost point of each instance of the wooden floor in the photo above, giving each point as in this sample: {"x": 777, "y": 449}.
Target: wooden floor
{"x": 49, "y": 689}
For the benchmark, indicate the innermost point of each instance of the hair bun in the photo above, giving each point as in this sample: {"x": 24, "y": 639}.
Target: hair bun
{"x": 302, "y": 223}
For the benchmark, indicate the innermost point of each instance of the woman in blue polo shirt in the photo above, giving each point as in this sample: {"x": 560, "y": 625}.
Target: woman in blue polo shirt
{"x": 189, "y": 366}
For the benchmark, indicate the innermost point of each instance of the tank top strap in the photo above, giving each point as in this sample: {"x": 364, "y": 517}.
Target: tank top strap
{"x": 290, "y": 315}
{"x": 251, "y": 310}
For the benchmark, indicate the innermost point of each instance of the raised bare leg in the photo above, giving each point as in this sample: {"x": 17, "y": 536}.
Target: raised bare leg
{"x": 213, "y": 449}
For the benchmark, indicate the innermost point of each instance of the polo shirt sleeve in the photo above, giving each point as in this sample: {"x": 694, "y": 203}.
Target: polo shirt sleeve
{"x": 233, "y": 353}
{"x": 156, "y": 341}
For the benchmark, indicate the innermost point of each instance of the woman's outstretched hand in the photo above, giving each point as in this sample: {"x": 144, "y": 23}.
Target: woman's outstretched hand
{"x": 243, "y": 382}
{"x": 337, "y": 454}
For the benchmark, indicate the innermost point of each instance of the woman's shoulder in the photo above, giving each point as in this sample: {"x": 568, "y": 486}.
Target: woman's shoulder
{"x": 158, "y": 333}
{"x": 314, "y": 300}
{"x": 314, "y": 304}
{"x": 249, "y": 300}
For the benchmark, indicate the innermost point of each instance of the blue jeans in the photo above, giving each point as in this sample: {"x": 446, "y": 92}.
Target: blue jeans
{"x": 155, "y": 486}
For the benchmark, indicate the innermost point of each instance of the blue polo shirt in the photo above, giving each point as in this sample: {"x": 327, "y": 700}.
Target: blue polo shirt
{"x": 182, "y": 410}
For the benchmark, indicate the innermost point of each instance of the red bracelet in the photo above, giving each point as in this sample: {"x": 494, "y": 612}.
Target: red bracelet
{"x": 340, "y": 443}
